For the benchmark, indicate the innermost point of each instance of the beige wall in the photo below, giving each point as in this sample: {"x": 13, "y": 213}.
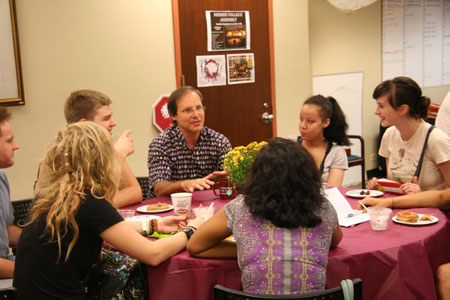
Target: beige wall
{"x": 122, "y": 48}
{"x": 341, "y": 43}
{"x": 293, "y": 81}
{"x": 125, "y": 49}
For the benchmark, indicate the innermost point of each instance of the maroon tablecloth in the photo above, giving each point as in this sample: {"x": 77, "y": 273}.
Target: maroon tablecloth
{"x": 398, "y": 263}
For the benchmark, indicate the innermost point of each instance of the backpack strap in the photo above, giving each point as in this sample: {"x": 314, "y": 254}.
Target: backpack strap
{"x": 330, "y": 144}
{"x": 419, "y": 165}
{"x": 325, "y": 156}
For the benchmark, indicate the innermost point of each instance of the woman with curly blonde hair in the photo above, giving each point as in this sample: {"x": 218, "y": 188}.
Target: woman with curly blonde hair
{"x": 73, "y": 215}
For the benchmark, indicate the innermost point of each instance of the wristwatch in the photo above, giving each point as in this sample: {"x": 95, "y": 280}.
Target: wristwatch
{"x": 188, "y": 230}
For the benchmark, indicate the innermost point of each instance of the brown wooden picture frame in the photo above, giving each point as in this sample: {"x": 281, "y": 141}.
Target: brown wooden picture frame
{"x": 11, "y": 85}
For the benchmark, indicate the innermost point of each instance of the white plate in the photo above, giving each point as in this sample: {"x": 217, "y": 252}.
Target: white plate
{"x": 143, "y": 218}
{"x": 418, "y": 223}
{"x": 357, "y": 193}
{"x": 143, "y": 209}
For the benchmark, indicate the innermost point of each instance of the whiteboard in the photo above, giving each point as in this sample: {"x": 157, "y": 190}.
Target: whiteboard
{"x": 347, "y": 89}
{"x": 416, "y": 40}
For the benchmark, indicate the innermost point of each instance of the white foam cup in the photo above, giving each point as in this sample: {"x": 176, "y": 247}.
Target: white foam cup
{"x": 181, "y": 203}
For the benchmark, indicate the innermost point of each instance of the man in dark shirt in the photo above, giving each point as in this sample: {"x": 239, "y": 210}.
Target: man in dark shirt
{"x": 185, "y": 157}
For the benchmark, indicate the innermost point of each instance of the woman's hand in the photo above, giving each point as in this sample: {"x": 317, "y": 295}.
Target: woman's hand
{"x": 369, "y": 201}
{"x": 171, "y": 223}
{"x": 372, "y": 184}
{"x": 411, "y": 187}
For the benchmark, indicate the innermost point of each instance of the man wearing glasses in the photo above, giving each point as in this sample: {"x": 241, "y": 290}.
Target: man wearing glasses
{"x": 185, "y": 157}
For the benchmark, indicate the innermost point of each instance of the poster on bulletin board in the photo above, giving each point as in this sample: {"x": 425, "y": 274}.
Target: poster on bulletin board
{"x": 211, "y": 70}
{"x": 228, "y": 30}
{"x": 241, "y": 68}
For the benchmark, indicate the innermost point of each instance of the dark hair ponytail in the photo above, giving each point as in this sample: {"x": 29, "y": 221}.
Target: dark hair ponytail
{"x": 422, "y": 107}
{"x": 329, "y": 109}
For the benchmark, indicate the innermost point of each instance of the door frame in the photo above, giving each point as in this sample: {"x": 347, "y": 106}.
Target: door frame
{"x": 177, "y": 45}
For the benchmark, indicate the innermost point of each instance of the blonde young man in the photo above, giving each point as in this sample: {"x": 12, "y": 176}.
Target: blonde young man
{"x": 185, "y": 157}
{"x": 9, "y": 233}
{"x": 89, "y": 105}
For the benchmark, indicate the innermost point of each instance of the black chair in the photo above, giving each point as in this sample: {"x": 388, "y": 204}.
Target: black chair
{"x": 21, "y": 209}
{"x": 354, "y": 160}
{"x": 143, "y": 182}
{"x": 382, "y": 172}
{"x": 223, "y": 293}
{"x": 7, "y": 293}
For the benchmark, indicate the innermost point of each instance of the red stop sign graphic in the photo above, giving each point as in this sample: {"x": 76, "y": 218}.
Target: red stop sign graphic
{"x": 161, "y": 118}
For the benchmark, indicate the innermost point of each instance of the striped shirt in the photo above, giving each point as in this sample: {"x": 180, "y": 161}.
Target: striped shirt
{"x": 171, "y": 159}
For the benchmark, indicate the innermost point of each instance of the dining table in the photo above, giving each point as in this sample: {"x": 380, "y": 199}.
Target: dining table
{"x": 398, "y": 263}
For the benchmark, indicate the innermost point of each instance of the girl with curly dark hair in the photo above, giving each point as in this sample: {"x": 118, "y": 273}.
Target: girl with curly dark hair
{"x": 282, "y": 224}
{"x": 323, "y": 134}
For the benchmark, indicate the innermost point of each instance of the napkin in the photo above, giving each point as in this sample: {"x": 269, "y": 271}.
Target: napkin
{"x": 159, "y": 235}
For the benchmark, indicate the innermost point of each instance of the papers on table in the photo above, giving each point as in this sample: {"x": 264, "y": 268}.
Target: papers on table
{"x": 346, "y": 215}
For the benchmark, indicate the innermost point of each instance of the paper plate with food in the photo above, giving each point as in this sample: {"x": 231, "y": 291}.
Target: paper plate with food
{"x": 155, "y": 208}
{"x": 414, "y": 219}
{"x": 364, "y": 193}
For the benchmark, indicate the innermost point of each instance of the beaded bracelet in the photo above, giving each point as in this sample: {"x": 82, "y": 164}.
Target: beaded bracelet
{"x": 154, "y": 225}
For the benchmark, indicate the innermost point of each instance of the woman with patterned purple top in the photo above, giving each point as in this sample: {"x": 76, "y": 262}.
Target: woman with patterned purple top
{"x": 282, "y": 224}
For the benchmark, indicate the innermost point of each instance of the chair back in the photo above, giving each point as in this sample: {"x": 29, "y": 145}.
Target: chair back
{"x": 143, "y": 182}
{"x": 8, "y": 293}
{"x": 21, "y": 209}
{"x": 354, "y": 160}
{"x": 223, "y": 293}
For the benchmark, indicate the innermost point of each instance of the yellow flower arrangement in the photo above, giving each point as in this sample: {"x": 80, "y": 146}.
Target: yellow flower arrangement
{"x": 239, "y": 161}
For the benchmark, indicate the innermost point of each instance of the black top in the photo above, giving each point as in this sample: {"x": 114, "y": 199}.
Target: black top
{"x": 37, "y": 273}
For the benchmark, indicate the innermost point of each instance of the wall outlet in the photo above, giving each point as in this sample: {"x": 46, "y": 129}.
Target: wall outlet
{"x": 373, "y": 157}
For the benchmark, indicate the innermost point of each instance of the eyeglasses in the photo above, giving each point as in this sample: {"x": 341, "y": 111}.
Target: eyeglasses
{"x": 189, "y": 111}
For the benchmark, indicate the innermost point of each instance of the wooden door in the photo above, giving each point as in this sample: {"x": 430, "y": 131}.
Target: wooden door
{"x": 234, "y": 110}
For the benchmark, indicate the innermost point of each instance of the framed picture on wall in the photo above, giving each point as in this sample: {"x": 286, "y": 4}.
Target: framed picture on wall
{"x": 11, "y": 87}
